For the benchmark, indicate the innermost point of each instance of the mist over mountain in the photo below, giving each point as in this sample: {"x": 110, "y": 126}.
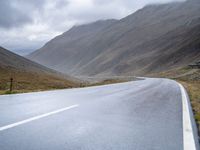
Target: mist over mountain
{"x": 153, "y": 39}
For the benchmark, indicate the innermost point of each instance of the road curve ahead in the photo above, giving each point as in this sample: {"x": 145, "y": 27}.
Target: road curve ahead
{"x": 150, "y": 114}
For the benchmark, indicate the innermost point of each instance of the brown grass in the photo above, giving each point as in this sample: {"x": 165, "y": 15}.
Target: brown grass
{"x": 193, "y": 89}
{"x": 24, "y": 82}
{"x": 29, "y": 81}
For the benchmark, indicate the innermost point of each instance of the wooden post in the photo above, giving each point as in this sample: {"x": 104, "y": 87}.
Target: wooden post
{"x": 11, "y": 84}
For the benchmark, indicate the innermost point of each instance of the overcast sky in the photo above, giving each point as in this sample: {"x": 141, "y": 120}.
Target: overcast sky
{"x": 26, "y": 25}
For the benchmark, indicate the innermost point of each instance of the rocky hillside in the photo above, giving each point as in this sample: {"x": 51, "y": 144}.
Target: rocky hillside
{"x": 153, "y": 39}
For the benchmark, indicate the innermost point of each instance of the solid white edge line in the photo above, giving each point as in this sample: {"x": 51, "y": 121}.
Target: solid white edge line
{"x": 188, "y": 136}
{"x": 36, "y": 118}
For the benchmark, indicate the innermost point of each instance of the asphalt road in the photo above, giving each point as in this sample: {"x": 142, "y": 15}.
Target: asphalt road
{"x": 139, "y": 115}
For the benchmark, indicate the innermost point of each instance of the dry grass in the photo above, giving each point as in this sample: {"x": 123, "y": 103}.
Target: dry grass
{"x": 193, "y": 89}
{"x": 30, "y": 81}
{"x": 24, "y": 82}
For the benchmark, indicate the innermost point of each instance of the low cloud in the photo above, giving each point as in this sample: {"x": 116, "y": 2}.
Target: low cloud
{"x": 11, "y": 16}
{"x": 27, "y": 25}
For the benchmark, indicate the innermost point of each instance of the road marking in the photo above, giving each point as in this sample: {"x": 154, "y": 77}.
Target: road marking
{"x": 36, "y": 118}
{"x": 188, "y": 136}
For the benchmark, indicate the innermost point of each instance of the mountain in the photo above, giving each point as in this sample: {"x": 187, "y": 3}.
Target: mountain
{"x": 153, "y": 39}
{"x": 28, "y": 75}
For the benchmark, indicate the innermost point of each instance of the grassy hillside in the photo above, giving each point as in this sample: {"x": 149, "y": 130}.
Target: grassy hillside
{"x": 29, "y": 76}
{"x": 24, "y": 81}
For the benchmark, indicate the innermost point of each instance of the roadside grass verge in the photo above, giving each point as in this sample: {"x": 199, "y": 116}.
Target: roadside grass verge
{"x": 24, "y": 82}
{"x": 193, "y": 89}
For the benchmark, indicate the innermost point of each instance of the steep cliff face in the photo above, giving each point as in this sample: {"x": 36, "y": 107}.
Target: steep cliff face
{"x": 153, "y": 39}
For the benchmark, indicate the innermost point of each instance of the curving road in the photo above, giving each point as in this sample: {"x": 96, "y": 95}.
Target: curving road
{"x": 140, "y": 115}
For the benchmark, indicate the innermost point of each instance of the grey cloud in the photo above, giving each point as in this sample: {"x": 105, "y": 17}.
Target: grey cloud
{"x": 102, "y": 2}
{"x": 11, "y": 16}
{"x": 37, "y": 21}
{"x": 61, "y": 3}
{"x": 132, "y": 4}
{"x": 18, "y": 12}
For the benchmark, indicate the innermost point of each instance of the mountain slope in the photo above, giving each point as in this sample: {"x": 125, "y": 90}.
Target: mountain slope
{"x": 155, "y": 38}
{"x": 65, "y": 50}
{"x": 28, "y": 75}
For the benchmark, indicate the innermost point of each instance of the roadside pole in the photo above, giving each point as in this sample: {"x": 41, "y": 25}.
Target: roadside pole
{"x": 11, "y": 84}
